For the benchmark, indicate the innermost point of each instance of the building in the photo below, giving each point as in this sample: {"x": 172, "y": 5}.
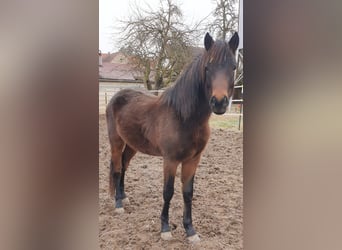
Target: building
{"x": 116, "y": 67}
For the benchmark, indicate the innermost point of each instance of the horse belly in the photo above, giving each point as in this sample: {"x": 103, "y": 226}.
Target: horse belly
{"x": 139, "y": 142}
{"x": 149, "y": 151}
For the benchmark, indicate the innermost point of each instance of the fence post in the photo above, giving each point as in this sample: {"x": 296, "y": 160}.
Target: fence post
{"x": 240, "y": 116}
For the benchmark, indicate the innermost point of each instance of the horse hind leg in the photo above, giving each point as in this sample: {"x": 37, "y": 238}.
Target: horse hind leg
{"x": 115, "y": 174}
{"x": 127, "y": 155}
{"x": 117, "y": 145}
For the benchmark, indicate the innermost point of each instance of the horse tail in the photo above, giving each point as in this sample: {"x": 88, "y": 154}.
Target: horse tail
{"x": 111, "y": 182}
{"x": 110, "y": 128}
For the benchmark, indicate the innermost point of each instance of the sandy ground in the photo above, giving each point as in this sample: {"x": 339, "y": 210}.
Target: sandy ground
{"x": 217, "y": 202}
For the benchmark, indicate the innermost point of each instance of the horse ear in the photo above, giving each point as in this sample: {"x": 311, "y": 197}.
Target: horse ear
{"x": 208, "y": 41}
{"x": 234, "y": 42}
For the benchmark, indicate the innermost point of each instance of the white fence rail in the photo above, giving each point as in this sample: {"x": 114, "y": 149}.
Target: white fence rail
{"x": 105, "y": 94}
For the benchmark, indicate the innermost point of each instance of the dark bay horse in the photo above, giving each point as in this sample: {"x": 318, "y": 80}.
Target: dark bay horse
{"x": 173, "y": 125}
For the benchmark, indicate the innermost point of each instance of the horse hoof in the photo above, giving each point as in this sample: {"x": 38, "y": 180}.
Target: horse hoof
{"x": 119, "y": 210}
{"x": 125, "y": 201}
{"x": 194, "y": 239}
{"x": 166, "y": 235}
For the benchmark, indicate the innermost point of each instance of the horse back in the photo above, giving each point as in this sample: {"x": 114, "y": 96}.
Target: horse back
{"x": 127, "y": 96}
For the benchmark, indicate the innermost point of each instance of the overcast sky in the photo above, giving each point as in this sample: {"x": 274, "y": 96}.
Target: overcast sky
{"x": 110, "y": 10}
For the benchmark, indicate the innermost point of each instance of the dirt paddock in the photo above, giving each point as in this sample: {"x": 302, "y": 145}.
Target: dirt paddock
{"x": 217, "y": 202}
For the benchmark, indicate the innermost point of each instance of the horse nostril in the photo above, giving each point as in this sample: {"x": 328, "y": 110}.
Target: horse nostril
{"x": 225, "y": 100}
{"x": 213, "y": 100}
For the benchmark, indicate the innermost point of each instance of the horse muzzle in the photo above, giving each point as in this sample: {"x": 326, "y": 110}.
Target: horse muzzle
{"x": 219, "y": 106}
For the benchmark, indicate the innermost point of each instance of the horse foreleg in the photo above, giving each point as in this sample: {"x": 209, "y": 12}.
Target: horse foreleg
{"x": 188, "y": 173}
{"x": 170, "y": 169}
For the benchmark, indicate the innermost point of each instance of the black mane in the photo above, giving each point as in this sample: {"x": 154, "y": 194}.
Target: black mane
{"x": 189, "y": 90}
{"x": 183, "y": 96}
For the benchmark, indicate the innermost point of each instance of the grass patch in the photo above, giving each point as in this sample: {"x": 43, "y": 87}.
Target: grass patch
{"x": 225, "y": 122}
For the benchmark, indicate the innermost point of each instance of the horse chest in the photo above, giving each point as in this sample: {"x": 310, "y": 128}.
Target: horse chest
{"x": 199, "y": 139}
{"x": 187, "y": 144}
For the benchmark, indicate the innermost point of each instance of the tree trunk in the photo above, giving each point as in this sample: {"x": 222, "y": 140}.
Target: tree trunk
{"x": 146, "y": 79}
{"x": 147, "y": 84}
{"x": 158, "y": 79}
{"x": 158, "y": 82}
{"x": 224, "y": 17}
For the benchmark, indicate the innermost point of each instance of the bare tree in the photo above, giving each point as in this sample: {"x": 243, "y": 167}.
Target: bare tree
{"x": 140, "y": 55}
{"x": 158, "y": 40}
{"x": 225, "y": 18}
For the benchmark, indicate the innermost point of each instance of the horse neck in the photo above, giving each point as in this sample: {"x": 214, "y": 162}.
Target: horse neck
{"x": 201, "y": 111}
{"x": 188, "y": 96}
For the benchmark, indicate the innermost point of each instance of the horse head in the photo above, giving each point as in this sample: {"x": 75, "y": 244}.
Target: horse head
{"x": 219, "y": 67}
